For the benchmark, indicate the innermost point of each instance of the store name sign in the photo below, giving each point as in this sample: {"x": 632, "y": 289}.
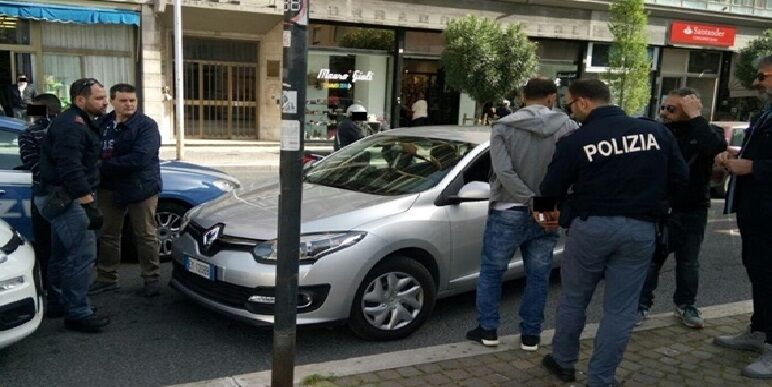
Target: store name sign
{"x": 354, "y": 76}
{"x": 702, "y": 34}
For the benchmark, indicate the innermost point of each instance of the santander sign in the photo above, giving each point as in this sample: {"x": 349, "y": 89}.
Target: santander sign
{"x": 702, "y": 34}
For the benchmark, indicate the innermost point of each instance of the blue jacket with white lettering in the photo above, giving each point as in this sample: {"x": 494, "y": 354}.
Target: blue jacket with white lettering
{"x": 615, "y": 165}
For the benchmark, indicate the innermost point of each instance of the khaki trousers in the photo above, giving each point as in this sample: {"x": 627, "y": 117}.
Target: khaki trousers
{"x": 143, "y": 226}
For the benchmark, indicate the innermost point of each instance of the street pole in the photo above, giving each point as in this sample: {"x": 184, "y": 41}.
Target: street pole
{"x": 295, "y": 60}
{"x": 179, "y": 88}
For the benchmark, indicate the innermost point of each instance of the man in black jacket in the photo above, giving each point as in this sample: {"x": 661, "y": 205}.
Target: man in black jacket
{"x": 619, "y": 171}
{"x": 130, "y": 183}
{"x": 69, "y": 175}
{"x": 699, "y": 143}
{"x": 750, "y": 196}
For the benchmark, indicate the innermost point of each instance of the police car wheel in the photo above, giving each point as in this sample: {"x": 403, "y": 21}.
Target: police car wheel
{"x": 395, "y": 298}
{"x": 168, "y": 218}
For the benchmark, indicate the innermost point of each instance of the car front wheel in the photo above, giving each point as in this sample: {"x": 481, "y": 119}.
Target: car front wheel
{"x": 168, "y": 218}
{"x": 394, "y": 300}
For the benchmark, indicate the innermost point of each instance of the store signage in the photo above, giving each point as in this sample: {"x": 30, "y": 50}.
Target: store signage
{"x": 345, "y": 86}
{"x": 702, "y": 34}
{"x": 353, "y": 76}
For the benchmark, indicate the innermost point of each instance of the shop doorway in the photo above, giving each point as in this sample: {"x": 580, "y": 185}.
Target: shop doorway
{"x": 12, "y": 64}
{"x": 427, "y": 77}
{"x": 221, "y": 89}
{"x": 696, "y": 69}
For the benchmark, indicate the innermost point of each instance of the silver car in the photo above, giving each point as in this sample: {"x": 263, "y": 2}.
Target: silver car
{"x": 389, "y": 224}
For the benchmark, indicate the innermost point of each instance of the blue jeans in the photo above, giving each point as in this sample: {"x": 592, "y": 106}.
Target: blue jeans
{"x": 686, "y": 230}
{"x": 505, "y": 231}
{"x": 73, "y": 252}
{"x": 618, "y": 249}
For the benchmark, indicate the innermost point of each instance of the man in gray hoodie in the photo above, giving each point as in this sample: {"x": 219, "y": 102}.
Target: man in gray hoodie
{"x": 521, "y": 148}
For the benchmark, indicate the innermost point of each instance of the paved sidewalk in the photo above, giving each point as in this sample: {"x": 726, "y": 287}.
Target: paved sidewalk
{"x": 259, "y": 156}
{"x": 662, "y": 352}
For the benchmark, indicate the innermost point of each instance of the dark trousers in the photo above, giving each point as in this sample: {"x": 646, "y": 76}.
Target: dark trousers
{"x": 686, "y": 231}
{"x": 41, "y": 230}
{"x": 757, "y": 257}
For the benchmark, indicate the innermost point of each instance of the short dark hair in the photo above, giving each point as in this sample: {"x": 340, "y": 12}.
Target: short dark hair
{"x": 684, "y": 91}
{"x": 122, "y": 88}
{"x": 51, "y": 101}
{"x": 82, "y": 87}
{"x": 765, "y": 61}
{"x": 592, "y": 89}
{"x": 540, "y": 87}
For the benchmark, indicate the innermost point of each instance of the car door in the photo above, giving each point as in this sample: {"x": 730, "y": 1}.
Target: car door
{"x": 467, "y": 224}
{"x": 15, "y": 186}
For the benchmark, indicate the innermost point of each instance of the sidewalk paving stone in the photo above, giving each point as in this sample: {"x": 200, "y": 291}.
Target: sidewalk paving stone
{"x": 666, "y": 356}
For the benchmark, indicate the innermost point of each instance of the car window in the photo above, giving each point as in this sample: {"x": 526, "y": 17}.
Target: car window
{"x": 9, "y": 150}
{"x": 479, "y": 169}
{"x": 389, "y": 165}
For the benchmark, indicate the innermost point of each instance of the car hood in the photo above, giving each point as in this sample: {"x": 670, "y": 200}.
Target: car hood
{"x": 254, "y": 214}
{"x": 168, "y": 166}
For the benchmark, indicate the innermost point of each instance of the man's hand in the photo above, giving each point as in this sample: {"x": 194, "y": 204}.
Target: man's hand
{"x": 738, "y": 167}
{"x": 547, "y": 220}
{"x": 692, "y": 106}
{"x": 85, "y": 199}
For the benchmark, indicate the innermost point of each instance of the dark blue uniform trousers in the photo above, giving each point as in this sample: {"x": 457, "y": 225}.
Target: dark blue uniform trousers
{"x": 619, "y": 250}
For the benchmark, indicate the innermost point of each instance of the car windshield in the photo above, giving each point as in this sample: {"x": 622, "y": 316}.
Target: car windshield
{"x": 389, "y": 165}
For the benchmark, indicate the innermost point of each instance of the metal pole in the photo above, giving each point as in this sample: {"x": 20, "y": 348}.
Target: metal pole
{"x": 290, "y": 180}
{"x": 179, "y": 88}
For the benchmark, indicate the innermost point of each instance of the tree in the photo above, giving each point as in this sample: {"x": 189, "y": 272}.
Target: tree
{"x": 629, "y": 63}
{"x": 485, "y": 60}
{"x": 746, "y": 65}
{"x": 368, "y": 38}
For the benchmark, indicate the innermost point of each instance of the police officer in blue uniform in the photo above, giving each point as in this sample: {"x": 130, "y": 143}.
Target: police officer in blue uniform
{"x": 69, "y": 174}
{"x": 620, "y": 171}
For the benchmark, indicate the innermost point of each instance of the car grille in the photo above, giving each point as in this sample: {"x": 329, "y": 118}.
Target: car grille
{"x": 16, "y": 313}
{"x": 236, "y": 296}
{"x": 224, "y": 242}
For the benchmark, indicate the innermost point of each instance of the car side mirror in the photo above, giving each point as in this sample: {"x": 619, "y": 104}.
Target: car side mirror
{"x": 474, "y": 191}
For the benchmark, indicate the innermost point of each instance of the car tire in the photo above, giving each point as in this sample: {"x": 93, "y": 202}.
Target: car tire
{"x": 168, "y": 218}
{"x": 371, "y": 312}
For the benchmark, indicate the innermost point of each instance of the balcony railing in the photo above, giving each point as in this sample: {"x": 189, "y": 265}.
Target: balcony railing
{"x": 761, "y": 8}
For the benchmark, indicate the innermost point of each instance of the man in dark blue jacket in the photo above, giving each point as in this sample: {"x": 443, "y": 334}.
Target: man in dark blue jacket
{"x": 750, "y": 196}
{"x": 130, "y": 183}
{"x": 69, "y": 176}
{"x": 619, "y": 170}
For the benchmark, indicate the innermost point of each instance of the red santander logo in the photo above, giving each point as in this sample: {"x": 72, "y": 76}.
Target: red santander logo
{"x": 702, "y": 34}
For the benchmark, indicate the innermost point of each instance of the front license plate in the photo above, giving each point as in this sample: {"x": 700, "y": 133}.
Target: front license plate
{"x": 203, "y": 269}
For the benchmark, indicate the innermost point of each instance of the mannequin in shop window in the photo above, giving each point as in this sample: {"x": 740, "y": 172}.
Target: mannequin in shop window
{"x": 350, "y": 129}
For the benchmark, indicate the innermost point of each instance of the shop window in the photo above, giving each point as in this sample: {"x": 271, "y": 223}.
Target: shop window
{"x": 599, "y": 53}
{"x": 13, "y": 30}
{"x": 424, "y": 42}
{"x": 60, "y": 71}
{"x": 332, "y": 36}
{"x": 103, "y": 37}
{"x": 704, "y": 62}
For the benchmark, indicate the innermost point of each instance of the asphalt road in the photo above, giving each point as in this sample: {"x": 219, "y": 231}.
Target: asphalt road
{"x": 171, "y": 340}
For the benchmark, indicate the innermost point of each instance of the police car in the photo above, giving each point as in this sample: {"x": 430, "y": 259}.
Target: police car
{"x": 184, "y": 185}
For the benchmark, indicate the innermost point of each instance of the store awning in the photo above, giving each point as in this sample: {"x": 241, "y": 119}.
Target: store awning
{"x": 68, "y": 14}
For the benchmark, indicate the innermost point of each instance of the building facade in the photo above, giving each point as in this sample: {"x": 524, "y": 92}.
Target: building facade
{"x": 380, "y": 53}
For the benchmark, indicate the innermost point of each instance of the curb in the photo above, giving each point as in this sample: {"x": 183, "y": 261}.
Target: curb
{"x": 451, "y": 351}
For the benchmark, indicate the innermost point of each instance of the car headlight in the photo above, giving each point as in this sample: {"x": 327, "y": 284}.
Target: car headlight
{"x": 225, "y": 185}
{"x": 312, "y": 246}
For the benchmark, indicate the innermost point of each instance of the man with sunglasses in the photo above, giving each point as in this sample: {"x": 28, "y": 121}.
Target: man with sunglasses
{"x": 699, "y": 143}
{"x": 750, "y": 196}
{"x": 69, "y": 174}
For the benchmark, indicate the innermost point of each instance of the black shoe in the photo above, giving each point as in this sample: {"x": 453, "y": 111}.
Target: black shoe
{"x": 566, "y": 375}
{"x": 54, "y": 311}
{"x": 90, "y": 324}
{"x": 530, "y": 342}
{"x": 101, "y": 287}
{"x": 488, "y": 338}
{"x": 151, "y": 289}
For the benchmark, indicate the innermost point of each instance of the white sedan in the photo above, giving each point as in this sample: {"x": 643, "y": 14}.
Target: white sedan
{"x": 21, "y": 300}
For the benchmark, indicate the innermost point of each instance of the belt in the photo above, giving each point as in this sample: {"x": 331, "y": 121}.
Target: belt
{"x": 517, "y": 209}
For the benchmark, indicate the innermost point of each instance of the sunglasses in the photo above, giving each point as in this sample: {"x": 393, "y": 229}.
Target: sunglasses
{"x": 762, "y": 76}
{"x": 669, "y": 108}
{"x": 86, "y": 84}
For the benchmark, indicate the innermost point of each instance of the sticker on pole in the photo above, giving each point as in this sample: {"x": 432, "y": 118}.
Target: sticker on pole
{"x": 290, "y": 135}
{"x": 289, "y": 102}
{"x": 300, "y": 9}
{"x": 287, "y": 38}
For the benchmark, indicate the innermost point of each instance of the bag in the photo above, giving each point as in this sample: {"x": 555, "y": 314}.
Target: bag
{"x": 661, "y": 243}
{"x": 57, "y": 202}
